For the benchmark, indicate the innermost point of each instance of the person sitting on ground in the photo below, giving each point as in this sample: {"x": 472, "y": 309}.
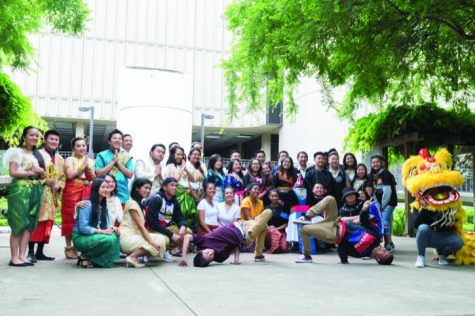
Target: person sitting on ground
{"x": 251, "y": 206}
{"x": 276, "y": 239}
{"x": 350, "y": 211}
{"x": 164, "y": 215}
{"x": 135, "y": 239}
{"x": 94, "y": 235}
{"x": 355, "y": 240}
{"x": 114, "y": 207}
{"x": 219, "y": 244}
{"x": 228, "y": 211}
{"x": 208, "y": 211}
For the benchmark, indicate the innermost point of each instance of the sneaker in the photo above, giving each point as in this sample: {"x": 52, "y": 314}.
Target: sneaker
{"x": 168, "y": 257}
{"x": 443, "y": 261}
{"x": 420, "y": 262}
{"x": 304, "y": 259}
{"x": 389, "y": 246}
{"x": 303, "y": 220}
{"x": 259, "y": 259}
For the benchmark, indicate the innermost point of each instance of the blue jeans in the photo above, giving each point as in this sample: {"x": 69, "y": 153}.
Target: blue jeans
{"x": 387, "y": 215}
{"x": 445, "y": 242}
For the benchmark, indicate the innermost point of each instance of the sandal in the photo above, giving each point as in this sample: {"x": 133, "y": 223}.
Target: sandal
{"x": 70, "y": 253}
{"x": 83, "y": 263}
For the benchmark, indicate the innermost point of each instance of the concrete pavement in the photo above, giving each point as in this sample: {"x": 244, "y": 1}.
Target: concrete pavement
{"x": 277, "y": 287}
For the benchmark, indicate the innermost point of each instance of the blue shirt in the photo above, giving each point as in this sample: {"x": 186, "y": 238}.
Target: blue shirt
{"x": 103, "y": 159}
{"x": 83, "y": 224}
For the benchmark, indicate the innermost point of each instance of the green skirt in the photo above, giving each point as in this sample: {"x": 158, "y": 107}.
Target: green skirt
{"x": 24, "y": 203}
{"x": 100, "y": 249}
{"x": 188, "y": 206}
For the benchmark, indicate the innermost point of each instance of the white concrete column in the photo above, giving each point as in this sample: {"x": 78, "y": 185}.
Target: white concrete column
{"x": 266, "y": 145}
{"x": 80, "y": 127}
{"x": 155, "y": 106}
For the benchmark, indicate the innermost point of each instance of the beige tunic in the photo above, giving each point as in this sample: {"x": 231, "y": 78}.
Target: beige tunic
{"x": 51, "y": 200}
{"x": 131, "y": 237}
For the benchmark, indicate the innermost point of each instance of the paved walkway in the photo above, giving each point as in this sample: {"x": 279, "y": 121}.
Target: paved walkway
{"x": 277, "y": 287}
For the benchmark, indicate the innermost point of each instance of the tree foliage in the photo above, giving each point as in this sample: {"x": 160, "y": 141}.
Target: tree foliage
{"x": 18, "y": 20}
{"x": 16, "y": 111}
{"x": 389, "y": 51}
{"x": 428, "y": 120}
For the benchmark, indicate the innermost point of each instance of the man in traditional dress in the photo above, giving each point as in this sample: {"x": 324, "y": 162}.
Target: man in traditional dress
{"x": 117, "y": 162}
{"x": 51, "y": 197}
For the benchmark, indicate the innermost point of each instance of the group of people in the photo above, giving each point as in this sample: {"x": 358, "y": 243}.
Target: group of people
{"x": 151, "y": 209}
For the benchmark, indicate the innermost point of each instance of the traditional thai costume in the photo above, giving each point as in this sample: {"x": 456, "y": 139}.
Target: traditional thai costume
{"x": 146, "y": 169}
{"x": 24, "y": 195}
{"x": 100, "y": 249}
{"x": 51, "y": 200}
{"x": 105, "y": 157}
{"x": 218, "y": 180}
{"x": 234, "y": 180}
{"x": 183, "y": 196}
{"x": 75, "y": 190}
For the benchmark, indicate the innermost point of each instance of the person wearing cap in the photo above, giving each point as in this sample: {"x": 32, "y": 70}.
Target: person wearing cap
{"x": 355, "y": 240}
{"x": 351, "y": 208}
{"x": 221, "y": 243}
{"x": 164, "y": 216}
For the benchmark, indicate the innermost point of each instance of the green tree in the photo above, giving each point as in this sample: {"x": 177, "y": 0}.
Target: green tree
{"x": 398, "y": 51}
{"x": 18, "y": 20}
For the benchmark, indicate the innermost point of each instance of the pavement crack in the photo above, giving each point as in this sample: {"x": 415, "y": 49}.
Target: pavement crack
{"x": 174, "y": 293}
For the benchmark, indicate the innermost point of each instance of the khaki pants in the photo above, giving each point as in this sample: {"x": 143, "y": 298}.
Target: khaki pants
{"x": 174, "y": 229}
{"x": 256, "y": 230}
{"x": 326, "y": 230}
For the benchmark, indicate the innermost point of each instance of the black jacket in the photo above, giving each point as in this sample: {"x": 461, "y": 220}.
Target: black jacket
{"x": 155, "y": 210}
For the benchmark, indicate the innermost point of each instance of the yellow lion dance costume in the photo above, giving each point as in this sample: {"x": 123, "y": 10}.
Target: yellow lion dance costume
{"x": 432, "y": 182}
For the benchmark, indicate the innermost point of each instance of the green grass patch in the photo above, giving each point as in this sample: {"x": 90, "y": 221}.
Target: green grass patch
{"x": 399, "y": 216}
{"x": 3, "y": 213}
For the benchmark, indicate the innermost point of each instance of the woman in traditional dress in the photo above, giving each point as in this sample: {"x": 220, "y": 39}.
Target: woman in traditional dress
{"x": 234, "y": 179}
{"x": 93, "y": 235}
{"x": 79, "y": 170}
{"x": 135, "y": 239}
{"x": 27, "y": 168}
{"x": 349, "y": 165}
{"x": 114, "y": 206}
{"x": 176, "y": 168}
{"x": 208, "y": 211}
{"x": 216, "y": 175}
{"x": 198, "y": 172}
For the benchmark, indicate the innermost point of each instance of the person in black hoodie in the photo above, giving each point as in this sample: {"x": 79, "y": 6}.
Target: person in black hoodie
{"x": 436, "y": 230}
{"x": 163, "y": 214}
{"x": 361, "y": 240}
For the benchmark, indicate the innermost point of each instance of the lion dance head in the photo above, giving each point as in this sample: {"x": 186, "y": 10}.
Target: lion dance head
{"x": 433, "y": 184}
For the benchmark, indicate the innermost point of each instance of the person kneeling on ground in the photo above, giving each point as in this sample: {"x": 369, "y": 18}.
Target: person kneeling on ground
{"x": 164, "y": 216}
{"x": 355, "y": 240}
{"x": 94, "y": 235}
{"x": 219, "y": 244}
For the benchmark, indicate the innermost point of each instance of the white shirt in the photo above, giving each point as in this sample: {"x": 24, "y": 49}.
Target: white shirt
{"x": 114, "y": 210}
{"x": 226, "y": 217}
{"x": 211, "y": 212}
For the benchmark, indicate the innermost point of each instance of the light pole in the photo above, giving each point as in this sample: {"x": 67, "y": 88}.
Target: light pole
{"x": 203, "y": 117}
{"x": 91, "y": 127}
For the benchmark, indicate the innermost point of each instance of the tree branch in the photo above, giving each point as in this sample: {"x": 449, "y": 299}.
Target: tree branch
{"x": 454, "y": 27}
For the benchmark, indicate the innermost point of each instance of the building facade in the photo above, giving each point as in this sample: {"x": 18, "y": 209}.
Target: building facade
{"x": 185, "y": 36}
